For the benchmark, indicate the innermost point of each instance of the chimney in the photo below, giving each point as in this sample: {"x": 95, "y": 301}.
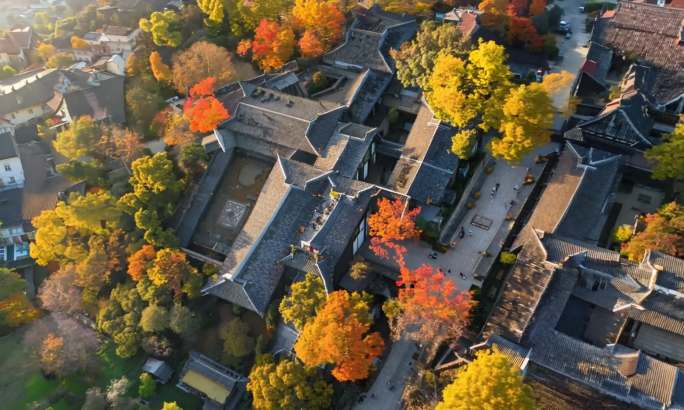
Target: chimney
{"x": 627, "y": 361}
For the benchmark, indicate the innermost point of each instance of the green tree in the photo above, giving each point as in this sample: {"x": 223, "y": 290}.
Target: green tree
{"x": 415, "y": 59}
{"x": 245, "y": 15}
{"x": 147, "y": 385}
{"x": 79, "y": 139}
{"x": 182, "y": 320}
{"x": 193, "y": 160}
{"x": 92, "y": 171}
{"x": 288, "y": 385}
{"x": 489, "y": 382}
{"x": 143, "y": 100}
{"x": 668, "y": 156}
{"x": 237, "y": 343}
{"x": 119, "y": 318}
{"x": 165, "y": 27}
{"x": 213, "y": 9}
{"x": 154, "y": 319}
{"x": 10, "y": 283}
{"x": 303, "y": 301}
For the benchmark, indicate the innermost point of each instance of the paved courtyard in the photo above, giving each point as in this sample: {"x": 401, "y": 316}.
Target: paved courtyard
{"x": 480, "y": 224}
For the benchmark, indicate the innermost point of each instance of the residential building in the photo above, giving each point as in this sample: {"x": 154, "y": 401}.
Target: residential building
{"x": 14, "y": 47}
{"x": 11, "y": 171}
{"x": 115, "y": 39}
{"x": 582, "y": 323}
{"x": 64, "y": 94}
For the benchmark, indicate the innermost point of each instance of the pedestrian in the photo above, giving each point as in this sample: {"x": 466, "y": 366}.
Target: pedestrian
{"x": 461, "y": 233}
{"x": 462, "y": 275}
{"x": 449, "y": 271}
{"x": 470, "y": 232}
{"x": 516, "y": 187}
{"x": 496, "y": 187}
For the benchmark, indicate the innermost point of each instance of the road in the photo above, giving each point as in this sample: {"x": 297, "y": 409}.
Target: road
{"x": 572, "y": 50}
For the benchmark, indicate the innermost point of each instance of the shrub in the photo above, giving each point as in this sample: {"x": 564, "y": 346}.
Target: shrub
{"x": 623, "y": 233}
{"x": 507, "y": 258}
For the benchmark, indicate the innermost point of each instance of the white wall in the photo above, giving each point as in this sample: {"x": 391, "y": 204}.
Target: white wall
{"x": 11, "y": 172}
{"x": 27, "y": 114}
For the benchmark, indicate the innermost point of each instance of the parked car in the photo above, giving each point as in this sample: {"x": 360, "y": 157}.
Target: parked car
{"x": 581, "y": 9}
{"x": 563, "y": 27}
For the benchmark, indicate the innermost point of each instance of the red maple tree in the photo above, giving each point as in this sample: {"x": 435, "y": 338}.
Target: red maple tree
{"x": 392, "y": 223}
{"x": 310, "y": 45}
{"x": 202, "y": 110}
{"x": 429, "y": 306}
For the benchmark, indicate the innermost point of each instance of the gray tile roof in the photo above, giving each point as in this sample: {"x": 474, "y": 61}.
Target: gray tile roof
{"x": 28, "y": 90}
{"x": 426, "y": 164}
{"x": 671, "y": 270}
{"x": 367, "y": 94}
{"x": 282, "y": 119}
{"x": 102, "y": 101}
{"x": 603, "y": 57}
{"x": 575, "y": 201}
{"x": 345, "y": 152}
{"x": 650, "y": 33}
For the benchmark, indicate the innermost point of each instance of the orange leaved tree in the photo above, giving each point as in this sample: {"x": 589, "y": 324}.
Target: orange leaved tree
{"x": 429, "y": 306}
{"x": 140, "y": 262}
{"x": 310, "y": 45}
{"x": 273, "y": 44}
{"x": 202, "y": 110}
{"x": 340, "y": 335}
{"x": 393, "y": 222}
{"x": 321, "y": 18}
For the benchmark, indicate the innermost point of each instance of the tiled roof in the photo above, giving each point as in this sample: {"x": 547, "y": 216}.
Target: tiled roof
{"x": 24, "y": 91}
{"x": 602, "y": 58}
{"x": 672, "y": 274}
{"x": 345, "y": 152}
{"x": 103, "y": 101}
{"x": 426, "y": 164}
{"x": 575, "y": 199}
{"x": 651, "y": 33}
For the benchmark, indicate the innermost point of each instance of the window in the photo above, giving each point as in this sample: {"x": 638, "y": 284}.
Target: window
{"x": 7, "y": 167}
{"x": 3, "y": 256}
{"x": 360, "y": 236}
{"x": 21, "y": 250}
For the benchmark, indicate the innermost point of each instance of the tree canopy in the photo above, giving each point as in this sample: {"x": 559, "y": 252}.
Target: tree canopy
{"x": 199, "y": 61}
{"x": 304, "y": 300}
{"x": 393, "y": 222}
{"x": 415, "y": 59}
{"x": 664, "y": 232}
{"x": 79, "y": 139}
{"x": 490, "y": 382}
{"x": 340, "y": 335}
{"x": 273, "y": 44}
{"x": 165, "y": 28}
{"x": 668, "y": 156}
{"x": 288, "y": 385}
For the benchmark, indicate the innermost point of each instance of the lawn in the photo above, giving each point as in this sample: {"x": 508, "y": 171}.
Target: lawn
{"x": 21, "y": 381}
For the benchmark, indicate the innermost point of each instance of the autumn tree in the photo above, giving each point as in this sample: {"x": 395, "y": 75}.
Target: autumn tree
{"x": 200, "y": 61}
{"x": 304, "y": 300}
{"x": 140, "y": 261}
{"x": 213, "y": 9}
{"x": 273, "y": 44}
{"x": 177, "y": 130}
{"x": 668, "y": 156}
{"x": 288, "y": 385}
{"x": 490, "y": 381}
{"x": 165, "y": 28}
{"x": 155, "y": 192}
{"x": 143, "y": 101}
{"x": 79, "y": 139}
{"x": 182, "y": 321}
{"x": 64, "y": 234}
{"x": 171, "y": 406}
{"x": 663, "y": 232}
{"x": 237, "y": 343}
{"x": 15, "y": 308}
{"x": 160, "y": 70}
{"x": 429, "y": 307}
{"x": 245, "y": 15}
{"x": 119, "y": 318}
{"x": 393, "y": 222}
{"x": 171, "y": 268}
{"x": 63, "y": 345}
{"x": 340, "y": 335}
{"x": 309, "y": 45}
{"x": 60, "y": 60}
{"x": 79, "y": 43}
{"x": 521, "y": 32}
{"x": 45, "y": 51}
{"x": 202, "y": 110}
{"x": 415, "y": 59}
{"x": 58, "y": 292}
{"x": 120, "y": 143}
{"x": 412, "y": 7}
{"x": 321, "y": 19}
{"x": 494, "y": 15}
{"x": 154, "y": 319}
